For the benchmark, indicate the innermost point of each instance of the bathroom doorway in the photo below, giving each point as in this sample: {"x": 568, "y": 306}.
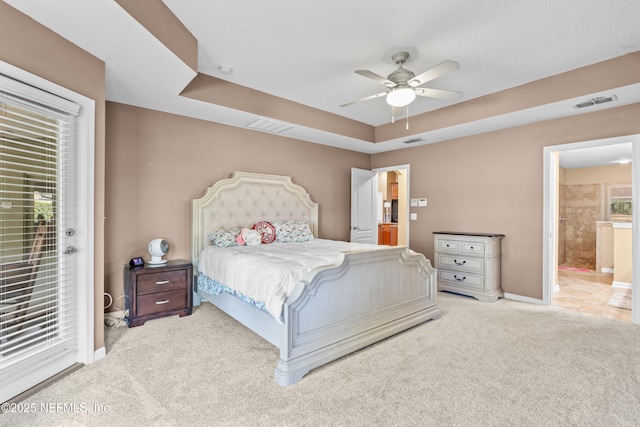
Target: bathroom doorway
{"x": 582, "y": 183}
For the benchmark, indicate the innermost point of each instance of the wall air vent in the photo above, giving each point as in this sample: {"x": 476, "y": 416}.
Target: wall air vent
{"x": 268, "y": 126}
{"x": 413, "y": 140}
{"x": 596, "y": 101}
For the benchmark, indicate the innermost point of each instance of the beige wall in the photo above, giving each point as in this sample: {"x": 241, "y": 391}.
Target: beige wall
{"x": 32, "y": 47}
{"x": 493, "y": 182}
{"x": 157, "y": 162}
{"x": 600, "y": 174}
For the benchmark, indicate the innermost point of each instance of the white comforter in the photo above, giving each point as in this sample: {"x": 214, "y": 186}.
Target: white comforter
{"x": 270, "y": 272}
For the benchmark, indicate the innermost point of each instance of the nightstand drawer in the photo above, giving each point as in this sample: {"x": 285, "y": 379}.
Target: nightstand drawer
{"x": 162, "y": 302}
{"x": 161, "y": 281}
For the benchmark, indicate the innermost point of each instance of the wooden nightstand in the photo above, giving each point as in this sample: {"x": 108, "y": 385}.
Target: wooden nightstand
{"x": 152, "y": 292}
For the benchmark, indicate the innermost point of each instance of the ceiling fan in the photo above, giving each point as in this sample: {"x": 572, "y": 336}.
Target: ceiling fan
{"x": 404, "y": 85}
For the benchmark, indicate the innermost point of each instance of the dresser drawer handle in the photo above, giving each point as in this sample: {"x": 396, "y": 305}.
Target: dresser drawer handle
{"x": 162, "y": 302}
{"x": 460, "y": 263}
{"x": 163, "y": 282}
{"x": 455, "y": 277}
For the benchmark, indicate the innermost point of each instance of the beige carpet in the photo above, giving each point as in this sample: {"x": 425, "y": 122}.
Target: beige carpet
{"x": 481, "y": 364}
{"x": 621, "y": 299}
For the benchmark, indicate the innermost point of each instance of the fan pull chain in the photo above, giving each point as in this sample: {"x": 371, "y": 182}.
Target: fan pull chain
{"x": 407, "y": 116}
{"x": 393, "y": 117}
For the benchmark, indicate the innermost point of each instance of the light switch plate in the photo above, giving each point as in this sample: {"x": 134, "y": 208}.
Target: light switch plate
{"x": 414, "y": 203}
{"x": 414, "y": 216}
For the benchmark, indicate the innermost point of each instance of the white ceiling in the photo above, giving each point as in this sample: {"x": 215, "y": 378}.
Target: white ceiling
{"x": 307, "y": 52}
{"x": 599, "y": 155}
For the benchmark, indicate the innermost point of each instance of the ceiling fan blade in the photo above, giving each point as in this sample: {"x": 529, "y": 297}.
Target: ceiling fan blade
{"x": 438, "y": 93}
{"x": 433, "y": 73}
{"x": 377, "y": 95}
{"x": 373, "y": 76}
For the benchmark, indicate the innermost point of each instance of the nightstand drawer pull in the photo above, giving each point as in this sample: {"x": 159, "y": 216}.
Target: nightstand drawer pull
{"x": 163, "y": 282}
{"x": 459, "y": 263}
{"x": 455, "y": 277}
{"x": 162, "y": 302}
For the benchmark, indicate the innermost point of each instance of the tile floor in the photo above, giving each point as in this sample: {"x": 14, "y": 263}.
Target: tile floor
{"x": 587, "y": 292}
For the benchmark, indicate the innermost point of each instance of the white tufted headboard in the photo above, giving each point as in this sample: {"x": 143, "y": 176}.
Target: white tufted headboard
{"x": 245, "y": 199}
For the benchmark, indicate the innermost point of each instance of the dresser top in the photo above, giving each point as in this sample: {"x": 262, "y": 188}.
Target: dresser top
{"x": 460, "y": 233}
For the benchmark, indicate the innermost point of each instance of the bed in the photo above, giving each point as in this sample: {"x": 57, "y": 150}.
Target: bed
{"x": 364, "y": 295}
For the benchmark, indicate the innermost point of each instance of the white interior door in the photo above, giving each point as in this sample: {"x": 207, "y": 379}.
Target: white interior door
{"x": 364, "y": 213}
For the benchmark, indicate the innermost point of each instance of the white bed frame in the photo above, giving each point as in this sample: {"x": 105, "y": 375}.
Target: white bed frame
{"x": 365, "y": 297}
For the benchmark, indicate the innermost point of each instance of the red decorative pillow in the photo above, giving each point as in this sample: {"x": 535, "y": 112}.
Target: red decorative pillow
{"x": 266, "y": 230}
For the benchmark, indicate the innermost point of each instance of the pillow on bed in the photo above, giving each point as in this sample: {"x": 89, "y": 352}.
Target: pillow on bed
{"x": 225, "y": 237}
{"x": 293, "y": 231}
{"x": 266, "y": 230}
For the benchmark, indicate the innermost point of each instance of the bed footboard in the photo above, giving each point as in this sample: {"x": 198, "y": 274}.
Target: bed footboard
{"x": 368, "y": 296}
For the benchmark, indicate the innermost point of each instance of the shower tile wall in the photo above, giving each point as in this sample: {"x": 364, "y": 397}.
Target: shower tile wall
{"x": 583, "y": 209}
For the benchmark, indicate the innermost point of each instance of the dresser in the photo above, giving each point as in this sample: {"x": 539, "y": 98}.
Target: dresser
{"x": 152, "y": 292}
{"x": 469, "y": 263}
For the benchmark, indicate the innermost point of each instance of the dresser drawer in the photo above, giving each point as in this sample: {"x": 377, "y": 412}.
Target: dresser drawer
{"x": 476, "y": 248}
{"x": 162, "y": 302}
{"x": 162, "y": 281}
{"x": 446, "y": 245}
{"x": 462, "y": 278}
{"x": 459, "y": 262}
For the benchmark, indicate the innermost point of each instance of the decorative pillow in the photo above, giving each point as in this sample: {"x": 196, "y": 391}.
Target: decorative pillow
{"x": 225, "y": 237}
{"x": 293, "y": 231}
{"x": 266, "y": 230}
{"x": 252, "y": 238}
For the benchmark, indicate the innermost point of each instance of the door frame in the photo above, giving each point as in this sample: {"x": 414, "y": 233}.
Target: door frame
{"x": 407, "y": 167}
{"x": 85, "y": 162}
{"x": 550, "y": 230}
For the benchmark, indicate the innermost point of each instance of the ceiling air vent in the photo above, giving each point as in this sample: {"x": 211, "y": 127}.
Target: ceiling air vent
{"x": 412, "y": 140}
{"x": 268, "y": 126}
{"x": 596, "y": 101}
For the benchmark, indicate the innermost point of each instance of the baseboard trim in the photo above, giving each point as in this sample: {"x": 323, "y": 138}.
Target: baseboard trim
{"x": 621, "y": 285}
{"x": 607, "y": 270}
{"x": 99, "y": 353}
{"x": 522, "y": 298}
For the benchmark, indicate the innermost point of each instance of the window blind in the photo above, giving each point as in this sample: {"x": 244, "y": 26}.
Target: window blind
{"x": 37, "y": 205}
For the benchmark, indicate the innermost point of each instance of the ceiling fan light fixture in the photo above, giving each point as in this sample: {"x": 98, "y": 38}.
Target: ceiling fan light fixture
{"x": 401, "y": 96}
